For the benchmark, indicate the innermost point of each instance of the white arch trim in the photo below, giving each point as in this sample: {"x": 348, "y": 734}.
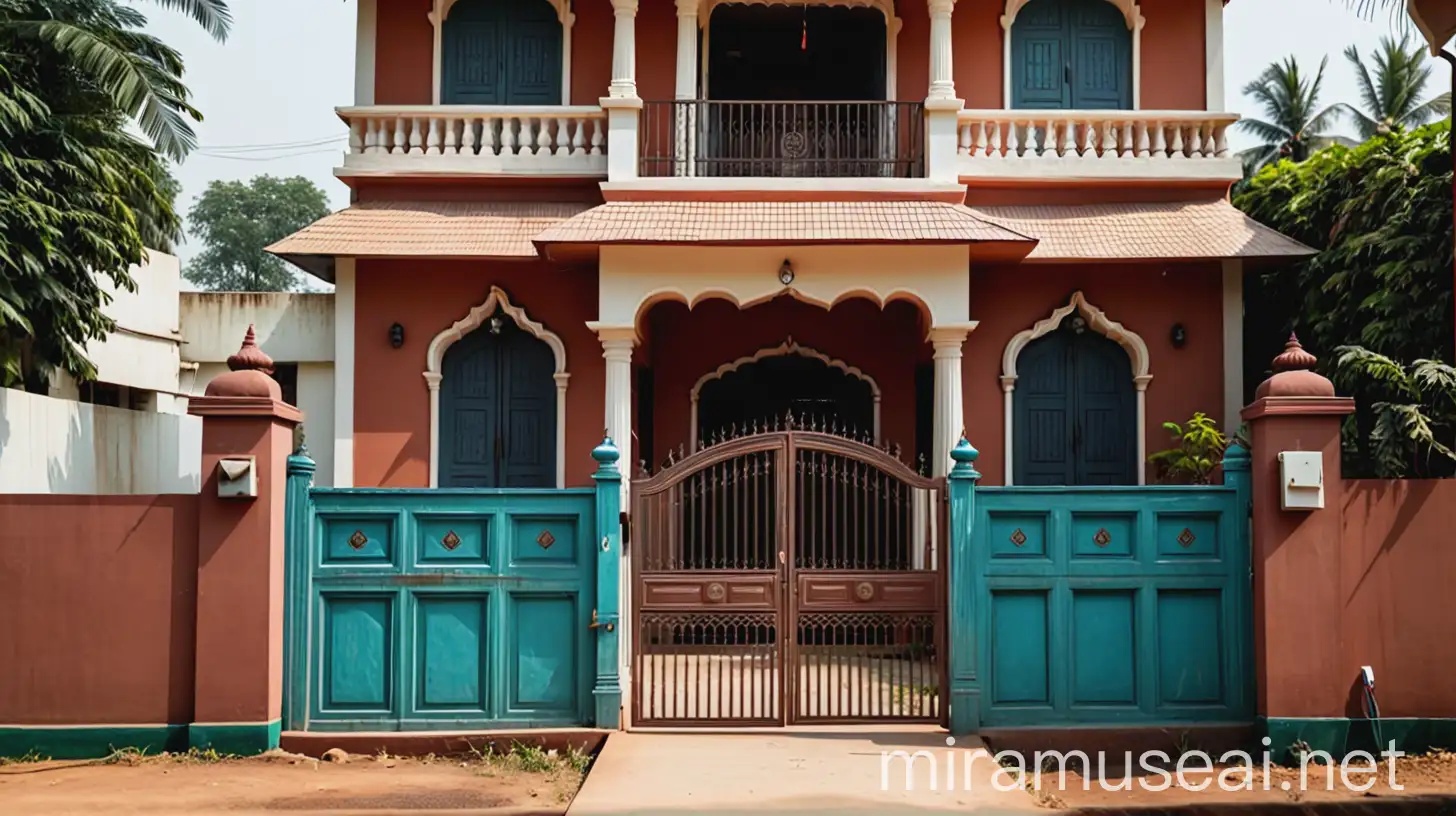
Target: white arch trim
{"x": 784, "y": 349}
{"x": 435, "y": 359}
{"x": 1098, "y": 321}
{"x": 440, "y": 11}
{"x": 1131, "y": 12}
{"x": 893, "y": 25}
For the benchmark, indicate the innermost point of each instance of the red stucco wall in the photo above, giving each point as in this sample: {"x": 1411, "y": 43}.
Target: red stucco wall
{"x": 99, "y": 609}
{"x": 1146, "y": 298}
{"x": 1174, "y": 76}
{"x": 404, "y": 53}
{"x": 391, "y": 403}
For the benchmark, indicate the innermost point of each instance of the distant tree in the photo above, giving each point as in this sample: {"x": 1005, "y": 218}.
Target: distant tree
{"x": 236, "y": 220}
{"x": 1391, "y": 97}
{"x": 1293, "y": 124}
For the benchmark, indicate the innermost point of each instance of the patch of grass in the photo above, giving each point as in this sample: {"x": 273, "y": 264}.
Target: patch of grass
{"x": 29, "y": 756}
{"x": 523, "y": 758}
{"x": 124, "y": 756}
{"x": 200, "y": 755}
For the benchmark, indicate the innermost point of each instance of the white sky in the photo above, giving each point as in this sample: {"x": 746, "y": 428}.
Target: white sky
{"x": 288, "y": 63}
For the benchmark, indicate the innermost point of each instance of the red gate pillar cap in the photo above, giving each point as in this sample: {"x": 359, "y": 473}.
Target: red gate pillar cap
{"x": 248, "y": 377}
{"x": 1293, "y": 376}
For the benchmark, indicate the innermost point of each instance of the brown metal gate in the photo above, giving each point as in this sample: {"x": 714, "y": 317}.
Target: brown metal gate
{"x": 788, "y": 577}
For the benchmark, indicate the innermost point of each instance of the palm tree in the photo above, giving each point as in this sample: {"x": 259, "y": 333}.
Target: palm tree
{"x": 102, "y": 40}
{"x": 1293, "y": 125}
{"x": 1391, "y": 97}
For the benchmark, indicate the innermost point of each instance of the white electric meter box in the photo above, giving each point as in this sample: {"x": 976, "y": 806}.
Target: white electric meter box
{"x": 237, "y": 478}
{"x": 1301, "y": 480}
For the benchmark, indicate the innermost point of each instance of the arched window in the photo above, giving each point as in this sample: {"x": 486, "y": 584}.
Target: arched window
{"x": 501, "y": 52}
{"x": 1071, "y": 54}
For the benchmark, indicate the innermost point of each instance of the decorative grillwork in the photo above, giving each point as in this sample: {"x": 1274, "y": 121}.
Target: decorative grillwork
{"x": 1186, "y": 538}
{"x": 358, "y": 540}
{"x": 866, "y": 666}
{"x": 721, "y": 667}
{"x": 450, "y": 541}
{"x": 1102, "y": 538}
{"x": 772, "y": 139}
{"x": 1018, "y": 538}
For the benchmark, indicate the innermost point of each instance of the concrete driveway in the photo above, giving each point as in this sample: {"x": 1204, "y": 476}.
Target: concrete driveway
{"x": 852, "y": 769}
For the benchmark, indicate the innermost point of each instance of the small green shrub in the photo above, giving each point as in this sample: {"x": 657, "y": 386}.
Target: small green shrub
{"x": 1198, "y": 451}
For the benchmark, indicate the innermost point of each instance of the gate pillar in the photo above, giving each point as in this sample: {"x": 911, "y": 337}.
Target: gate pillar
{"x": 607, "y": 690}
{"x": 247, "y": 436}
{"x": 965, "y": 689}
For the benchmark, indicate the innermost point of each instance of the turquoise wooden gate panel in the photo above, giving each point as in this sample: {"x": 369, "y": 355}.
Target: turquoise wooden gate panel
{"x": 1100, "y": 605}
{"x": 454, "y": 608}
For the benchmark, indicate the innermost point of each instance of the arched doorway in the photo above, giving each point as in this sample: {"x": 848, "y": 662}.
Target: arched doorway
{"x": 766, "y": 388}
{"x": 1075, "y": 414}
{"x": 501, "y": 52}
{"x": 498, "y": 409}
{"x": 1071, "y": 54}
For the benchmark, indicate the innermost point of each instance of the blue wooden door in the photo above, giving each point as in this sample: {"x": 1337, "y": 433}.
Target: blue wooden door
{"x": 501, "y": 52}
{"x": 1074, "y": 414}
{"x": 498, "y": 410}
{"x": 1071, "y": 54}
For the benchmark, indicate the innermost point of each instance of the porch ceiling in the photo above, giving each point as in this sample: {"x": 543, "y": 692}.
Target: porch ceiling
{"x": 1178, "y": 230}
{"x": 423, "y": 229}
{"x": 769, "y": 223}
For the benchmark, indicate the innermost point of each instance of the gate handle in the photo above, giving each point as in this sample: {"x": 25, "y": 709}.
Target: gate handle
{"x": 595, "y": 624}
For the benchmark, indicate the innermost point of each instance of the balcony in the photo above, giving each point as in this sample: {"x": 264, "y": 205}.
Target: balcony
{"x": 723, "y": 139}
{"x": 1113, "y": 145}
{"x": 483, "y": 140}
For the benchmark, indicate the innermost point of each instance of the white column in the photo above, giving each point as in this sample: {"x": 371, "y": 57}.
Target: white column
{"x": 617, "y": 344}
{"x": 1008, "y": 430}
{"x": 949, "y": 404}
{"x": 343, "y": 372}
{"x": 1233, "y": 343}
{"x": 687, "y": 49}
{"x": 364, "y": 39}
{"x": 1140, "y": 382}
{"x": 624, "y": 50}
{"x": 942, "y": 79}
{"x": 1213, "y": 53}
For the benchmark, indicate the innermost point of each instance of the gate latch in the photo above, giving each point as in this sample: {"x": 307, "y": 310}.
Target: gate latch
{"x": 610, "y": 626}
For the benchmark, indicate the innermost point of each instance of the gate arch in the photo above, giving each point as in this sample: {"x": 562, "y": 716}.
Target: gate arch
{"x": 792, "y": 576}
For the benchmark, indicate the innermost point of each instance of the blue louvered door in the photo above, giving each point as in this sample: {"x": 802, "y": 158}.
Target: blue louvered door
{"x": 498, "y": 411}
{"x": 1074, "y": 417}
{"x": 1071, "y": 54}
{"x": 501, "y": 52}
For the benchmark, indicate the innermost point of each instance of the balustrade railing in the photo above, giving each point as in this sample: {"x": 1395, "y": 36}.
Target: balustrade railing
{"x": 534, "y": 139}
{"x": 1080, "y": 135}
{"x": 793, "y": 139}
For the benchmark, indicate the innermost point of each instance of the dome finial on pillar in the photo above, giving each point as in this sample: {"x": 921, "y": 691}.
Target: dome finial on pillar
{"x": 1294, "y": 375}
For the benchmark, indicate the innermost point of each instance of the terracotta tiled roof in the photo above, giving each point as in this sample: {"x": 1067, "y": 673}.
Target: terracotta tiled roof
{"x": 798, "y": 222}
{"x": 393, "y": 229}
{"x": 1173, "y": 230}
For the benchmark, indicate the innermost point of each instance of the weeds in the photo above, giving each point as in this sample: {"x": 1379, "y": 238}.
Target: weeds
{"x": 29, "y": 756}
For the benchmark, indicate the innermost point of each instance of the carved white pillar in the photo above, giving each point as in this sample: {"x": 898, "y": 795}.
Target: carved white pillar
{"x": 1140, "y": 382}
{"x": 624, "y": 50}
{"x": 1008, "y": 434}
{"x": 617, "y": 344}
{"x": 942, "y": 80}
{"x": 687, "y": 49}
{"x": 949, "y": 404}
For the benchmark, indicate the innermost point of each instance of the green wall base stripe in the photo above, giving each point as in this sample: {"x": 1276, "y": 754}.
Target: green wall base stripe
{"x": 90, "y": 741}
{"x": 1341, "y": 735}
{"x": 235, "y": 738}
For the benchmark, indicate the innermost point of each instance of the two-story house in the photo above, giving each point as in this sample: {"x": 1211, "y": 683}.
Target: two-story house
{"x": 894, "y": 221}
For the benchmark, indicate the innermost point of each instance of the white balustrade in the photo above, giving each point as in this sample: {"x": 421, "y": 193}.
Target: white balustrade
{"x": 477, "y": 139}
{"x": 1030, "y": 143}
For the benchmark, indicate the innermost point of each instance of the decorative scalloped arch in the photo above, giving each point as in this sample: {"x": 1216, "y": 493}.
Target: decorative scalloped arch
{"x": 1129, "y": 8}
{"x": 435, "y": 359}
{"x": 691, "y": 300}
{"x": 1098, "y": 321}
{"x": 785, "y": 349}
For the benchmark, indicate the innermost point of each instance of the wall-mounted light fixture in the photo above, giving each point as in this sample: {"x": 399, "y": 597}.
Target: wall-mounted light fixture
{"x": 396, "y": 335}
{"x": 786, "y": 273}
{"x": 1179, "y": 335}
{"x": 495, "y": 324}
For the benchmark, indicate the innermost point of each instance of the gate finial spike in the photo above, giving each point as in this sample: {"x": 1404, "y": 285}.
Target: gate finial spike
{"x": 920, "y": 464}
{"x": 642, "y": 468}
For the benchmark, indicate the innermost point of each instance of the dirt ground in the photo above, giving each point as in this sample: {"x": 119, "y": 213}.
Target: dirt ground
{"x": 1428, "y": 775}
{"x": 525, "y": 781}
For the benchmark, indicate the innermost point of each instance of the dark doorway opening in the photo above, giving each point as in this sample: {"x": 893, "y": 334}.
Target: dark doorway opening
{"x": 771, "y": 388}
{"x": 805, "y": 53}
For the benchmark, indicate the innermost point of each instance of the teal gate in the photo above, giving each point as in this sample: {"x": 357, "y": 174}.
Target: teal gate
{"x": 1100, "y": 605}
{"x": 416, "y": 609}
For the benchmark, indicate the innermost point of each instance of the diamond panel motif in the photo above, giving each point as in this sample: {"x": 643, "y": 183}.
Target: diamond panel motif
{"x": 450, "y": 541}
{"x": 1186, "y": 538}
{"x": 545, "y": 539}
{"x": 1018, "y": 538}
{"x": 1102, "y": 538}
{"x": 358, "y": 540}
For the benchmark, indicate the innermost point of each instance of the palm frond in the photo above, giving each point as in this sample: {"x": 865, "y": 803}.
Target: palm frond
{"x": 1368, "y": 95}
{"x": 212, "y": 15}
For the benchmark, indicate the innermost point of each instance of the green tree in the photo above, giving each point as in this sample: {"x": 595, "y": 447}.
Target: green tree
{"x": 80, "y": 199}
{"x": 1293, "y": 124}
{"x": 1405, "y": 422}
{"x": 235, "y": 221}
{"x": 1391, "y": 97}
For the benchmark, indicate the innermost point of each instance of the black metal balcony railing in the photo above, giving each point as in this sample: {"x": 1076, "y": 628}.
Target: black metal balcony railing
{"x": 793, "y": 139}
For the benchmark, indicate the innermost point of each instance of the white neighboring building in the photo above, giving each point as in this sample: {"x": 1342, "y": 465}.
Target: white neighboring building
{"x": 296, "y": 329}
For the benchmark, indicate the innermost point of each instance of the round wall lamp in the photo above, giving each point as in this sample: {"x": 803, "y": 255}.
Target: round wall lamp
{"x": 396, "y": 335}
{"x": 1179, "y": 335}
{"x": 786, "y": 273}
